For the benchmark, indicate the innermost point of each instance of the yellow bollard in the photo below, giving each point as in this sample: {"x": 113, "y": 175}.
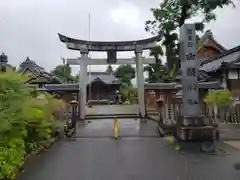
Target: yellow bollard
{"x": 115, "y": 128}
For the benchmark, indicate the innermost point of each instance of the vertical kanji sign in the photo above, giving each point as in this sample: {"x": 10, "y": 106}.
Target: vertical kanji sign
{"x": 189, "y": 67}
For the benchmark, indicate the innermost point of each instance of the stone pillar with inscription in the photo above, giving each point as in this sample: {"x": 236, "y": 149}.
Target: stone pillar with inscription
{"x": 140, "y": 82}
{"x": 190, "y": 90}
{"x": 83, "y": 83}
{"x": 190, "y": 67}
{"x": 193, "y": 127}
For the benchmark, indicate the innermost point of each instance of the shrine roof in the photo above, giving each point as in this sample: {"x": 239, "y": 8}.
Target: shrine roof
{"x": 214, "y": 64}
{"x": 204, "y": 41}
{"x": 77, "y": 44}
{"x": 61, "y": 87}
{"x": 73, "y": 87}
{"x": 233, "y": 64}
{"x": 37, "y": 70}
{"x": 105, "y": 77}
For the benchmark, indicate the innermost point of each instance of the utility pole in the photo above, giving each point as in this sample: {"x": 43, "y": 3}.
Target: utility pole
{"x": 90, "y": 77}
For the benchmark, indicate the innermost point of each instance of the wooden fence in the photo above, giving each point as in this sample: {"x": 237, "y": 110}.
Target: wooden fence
{"x": 230, "y": 115}
{"x": 226, "y": 119}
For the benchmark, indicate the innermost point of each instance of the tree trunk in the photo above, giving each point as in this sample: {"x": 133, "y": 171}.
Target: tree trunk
{"x": 184, "y": 15}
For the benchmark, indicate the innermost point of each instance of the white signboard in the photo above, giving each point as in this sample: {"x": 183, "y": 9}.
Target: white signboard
{"x": 190, "y": 67}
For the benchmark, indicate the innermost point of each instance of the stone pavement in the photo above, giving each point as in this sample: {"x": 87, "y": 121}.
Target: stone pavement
{"x": 130, "y": 158}
{"x": 234, "y": 144}
{"x": 229, "y": 131}
{"x": 112, "y": 109}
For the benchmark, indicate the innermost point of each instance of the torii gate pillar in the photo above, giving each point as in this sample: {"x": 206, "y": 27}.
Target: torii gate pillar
{"x": 140, "y": 82}
{"x": 83, "y": 83}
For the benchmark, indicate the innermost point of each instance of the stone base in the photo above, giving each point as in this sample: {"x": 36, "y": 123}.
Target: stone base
{"x": 197, "y": 138}
{"x": 196, "y": 133}
{"x": 197, "y": 147}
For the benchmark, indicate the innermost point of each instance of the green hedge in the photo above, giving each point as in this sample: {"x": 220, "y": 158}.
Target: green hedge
{"x": 26, "y": 122}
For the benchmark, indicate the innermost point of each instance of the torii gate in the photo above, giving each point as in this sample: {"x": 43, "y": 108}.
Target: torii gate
{"x": 111, "y": 48}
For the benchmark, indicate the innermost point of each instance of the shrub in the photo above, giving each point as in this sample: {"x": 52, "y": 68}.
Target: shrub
{"x": 220, "y": 98}
{"x": 26, "y": 122}
{"x": 13, "y": 93}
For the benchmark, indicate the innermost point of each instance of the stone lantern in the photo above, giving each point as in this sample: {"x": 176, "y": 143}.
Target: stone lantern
{"x": 3, "y": 62}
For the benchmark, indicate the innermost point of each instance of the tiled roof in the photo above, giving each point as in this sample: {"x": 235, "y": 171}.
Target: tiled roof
{"x": 209, "y": 36}
{"x": 61, "y": 87}
{"x": 215, "y": 63}
{"x": 105, "y": 77}
{"x": 36, "y": 70}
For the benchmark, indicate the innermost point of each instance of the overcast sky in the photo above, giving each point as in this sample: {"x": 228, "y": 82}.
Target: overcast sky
{"x": 30, "y": 27}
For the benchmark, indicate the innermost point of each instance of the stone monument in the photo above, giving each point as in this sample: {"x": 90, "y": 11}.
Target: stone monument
{"x": 193, "y": 127}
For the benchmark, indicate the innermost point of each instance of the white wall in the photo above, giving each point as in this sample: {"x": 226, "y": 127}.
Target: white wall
{"x": 233, "y": 74}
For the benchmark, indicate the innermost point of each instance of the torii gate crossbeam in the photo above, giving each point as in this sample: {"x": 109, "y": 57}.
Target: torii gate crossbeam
{"x": 102, "y": 61}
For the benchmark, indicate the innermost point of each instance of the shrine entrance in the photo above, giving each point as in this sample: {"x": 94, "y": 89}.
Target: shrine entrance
{"x": 111, "y": 48}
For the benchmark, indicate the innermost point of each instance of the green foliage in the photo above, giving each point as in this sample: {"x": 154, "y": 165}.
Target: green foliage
{"x": 76, "y": 78}
{"x": 156, "y": 52}
{"x": 174, "y": 70}
{"x": 128, "y": 93}
{"x": 220, "y": 98}
{"x": 13, "y": 129}
{"x": 26, "y": 122}
{"x": 64, "y": 72}
{"x": 157, "y": 73}
{"x": 125, "y": 73}
{"x": 172, "y": 14}
{"x": 132, "y": 94}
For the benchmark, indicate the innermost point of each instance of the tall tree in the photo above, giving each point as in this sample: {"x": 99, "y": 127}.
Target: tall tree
{"x": 63, "y": 72}
{"x": 157, "y": 72}
{"x": 172, "y": 14}
{"x": 109, "y": 69}
{"x": 125, "y": 73}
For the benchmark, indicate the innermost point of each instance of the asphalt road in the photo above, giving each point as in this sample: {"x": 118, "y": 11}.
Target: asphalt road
{"x": 99, "y": 157}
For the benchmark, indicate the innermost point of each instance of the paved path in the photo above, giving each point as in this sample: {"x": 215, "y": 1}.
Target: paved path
{"x": 235, "y": 144}
{"x": 229, "y": 131}
{"x": 128, "y": 127}
{"x": 129, "y": 158}
{"x": 112, "y": 109}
